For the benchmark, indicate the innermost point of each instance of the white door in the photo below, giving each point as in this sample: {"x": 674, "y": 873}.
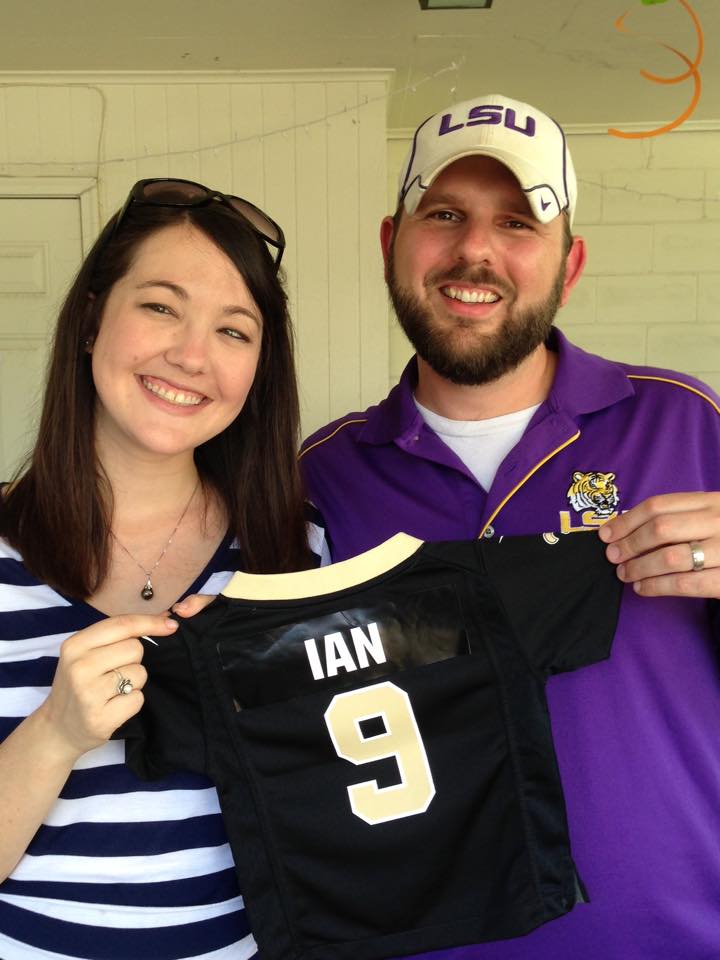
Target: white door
{"x": 40, "y": 252}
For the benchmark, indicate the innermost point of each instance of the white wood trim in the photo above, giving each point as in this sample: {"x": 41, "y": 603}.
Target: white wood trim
{"x": 690, "y": 126}
{"x": 87, "y": 78}
{"x": 593, "y": 129}
{"x": 83, "y": 188}
{"x": 45, "y": 186}
{"x": 22, "y": 341}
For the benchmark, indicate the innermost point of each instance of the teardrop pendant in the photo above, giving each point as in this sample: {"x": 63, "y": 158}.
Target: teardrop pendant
{"x": 148, "y": 592}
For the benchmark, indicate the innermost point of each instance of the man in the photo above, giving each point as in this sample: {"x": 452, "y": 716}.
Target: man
{"x": 498, "y": 427}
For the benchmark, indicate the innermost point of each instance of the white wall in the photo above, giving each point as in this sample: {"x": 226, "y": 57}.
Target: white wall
{"x": 649, "y": 210}
{"x": 308, "y": 147}
{"x": 314, "y": 150}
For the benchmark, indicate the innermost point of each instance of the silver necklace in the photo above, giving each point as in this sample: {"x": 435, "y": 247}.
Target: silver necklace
{"x": 148, "y": 591}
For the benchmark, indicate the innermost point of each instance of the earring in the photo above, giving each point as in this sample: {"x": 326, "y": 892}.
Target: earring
{"x": 88, "y": 344}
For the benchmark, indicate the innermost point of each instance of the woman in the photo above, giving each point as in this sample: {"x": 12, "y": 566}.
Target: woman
{"x": 167, "y": 438}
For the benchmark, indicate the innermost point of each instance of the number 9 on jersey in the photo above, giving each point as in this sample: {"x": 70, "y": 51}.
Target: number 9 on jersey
{"x": 400, "y": 739}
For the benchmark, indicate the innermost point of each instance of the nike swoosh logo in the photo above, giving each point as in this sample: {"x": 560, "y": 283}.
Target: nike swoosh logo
{"x": 545, "y": 204}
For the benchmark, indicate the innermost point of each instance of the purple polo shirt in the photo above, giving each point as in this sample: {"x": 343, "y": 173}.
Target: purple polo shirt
{"x": 638, "y": 736}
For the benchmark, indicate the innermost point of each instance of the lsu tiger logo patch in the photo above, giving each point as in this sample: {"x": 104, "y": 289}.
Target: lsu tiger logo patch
{"x": 594, "y": 491}
{"x": 595, "y": 496}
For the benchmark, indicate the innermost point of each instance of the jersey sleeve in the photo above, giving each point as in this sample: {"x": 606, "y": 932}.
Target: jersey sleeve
{"x": 560, "y": 594}
{"x": 168, "y": 733}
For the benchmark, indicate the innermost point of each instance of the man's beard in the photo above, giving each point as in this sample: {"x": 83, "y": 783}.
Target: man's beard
{"x": 481, "y": 358}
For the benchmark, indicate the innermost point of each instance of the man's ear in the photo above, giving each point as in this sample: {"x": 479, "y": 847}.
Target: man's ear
{"x": 574, "y": 266}
{"x": 387, "y": 232}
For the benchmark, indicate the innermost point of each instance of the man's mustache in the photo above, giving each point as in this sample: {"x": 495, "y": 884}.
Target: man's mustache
{"x": 475, "y": 276}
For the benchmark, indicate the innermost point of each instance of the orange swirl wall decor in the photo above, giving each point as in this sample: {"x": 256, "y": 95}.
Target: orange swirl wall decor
{"x": 691, "y": 71}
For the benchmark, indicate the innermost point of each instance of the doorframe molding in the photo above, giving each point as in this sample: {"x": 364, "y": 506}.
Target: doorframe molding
{"x": 83, "y": 189}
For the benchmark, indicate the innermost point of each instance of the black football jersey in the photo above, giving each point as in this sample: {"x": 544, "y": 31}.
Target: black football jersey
{"x": 379, "y": 736}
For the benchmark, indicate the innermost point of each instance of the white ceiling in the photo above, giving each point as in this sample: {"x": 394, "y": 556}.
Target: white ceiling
{"x": 563, "y": 55}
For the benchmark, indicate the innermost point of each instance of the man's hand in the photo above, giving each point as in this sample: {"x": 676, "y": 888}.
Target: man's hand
{"x": 656, "y": 543}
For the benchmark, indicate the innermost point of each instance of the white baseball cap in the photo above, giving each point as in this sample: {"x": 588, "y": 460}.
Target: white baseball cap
{"x": 528, "y": 142}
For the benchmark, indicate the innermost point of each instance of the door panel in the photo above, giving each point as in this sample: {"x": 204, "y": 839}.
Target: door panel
{"x": 40, "y": 252}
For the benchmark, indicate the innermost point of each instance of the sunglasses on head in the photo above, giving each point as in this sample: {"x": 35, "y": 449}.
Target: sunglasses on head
{"x": 168, "y": 192}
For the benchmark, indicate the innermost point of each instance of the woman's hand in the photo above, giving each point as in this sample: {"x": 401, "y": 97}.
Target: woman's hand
{"x": 85, "y": 705}
{"x": 81, "y": 711}
{"x": 192, "y": 604}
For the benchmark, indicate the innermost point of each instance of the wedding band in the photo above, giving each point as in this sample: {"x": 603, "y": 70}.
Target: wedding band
{"x": 698, "y": 556}
{"x": 124, "y": 684}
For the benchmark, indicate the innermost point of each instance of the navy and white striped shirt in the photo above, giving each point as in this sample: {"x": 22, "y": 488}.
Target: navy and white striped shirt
{"x": 121, "y": 869}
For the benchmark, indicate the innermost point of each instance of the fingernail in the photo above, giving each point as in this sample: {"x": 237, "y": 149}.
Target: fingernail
{"x": 621, "y": 571}
{"x": 605, "y": 532}
{"x": 172, "y": 624}
{"x": 613, "y": 553}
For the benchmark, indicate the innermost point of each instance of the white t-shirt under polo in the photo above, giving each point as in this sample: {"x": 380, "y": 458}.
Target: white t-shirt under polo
{"x": 482, "y": 445}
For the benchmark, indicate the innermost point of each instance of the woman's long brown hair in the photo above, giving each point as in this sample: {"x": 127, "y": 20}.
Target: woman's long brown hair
{"x": 57, "y": 512}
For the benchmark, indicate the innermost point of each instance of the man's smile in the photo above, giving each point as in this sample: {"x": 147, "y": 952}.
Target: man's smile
{"x": 470, "y": 296}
